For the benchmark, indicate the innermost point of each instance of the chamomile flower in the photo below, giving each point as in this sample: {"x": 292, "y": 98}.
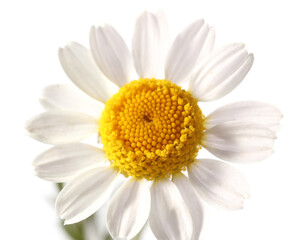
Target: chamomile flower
{"x": 151, "y": 129}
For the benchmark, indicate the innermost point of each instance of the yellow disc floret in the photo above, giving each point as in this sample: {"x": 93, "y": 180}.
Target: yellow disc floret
{"x": 151, "y": 128}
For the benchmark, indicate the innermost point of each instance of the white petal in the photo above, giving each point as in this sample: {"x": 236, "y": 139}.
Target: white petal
{"x": 164, "y": 32}
{"x": 61, "y": 163}
{"x": 193, "y": 203}
{"x": 129, "y": 209}
{"x": 249, "y": 112}
{"x": 239, "y": 142}
{"x": 185, "y": 51}
{"x": 85, "y": 194}
{"x": 148, "y": 42}
{"x": 111, "y": 54}
{"x": 208, "y": 44}
{"x": 220, "y": 72}
{"x": 79, "y": 65}
{"x": 219, "y": 183}
{"x": 61, "y": 127}
{"x": 65, "y": 97}
{"x": 169, "y": 217}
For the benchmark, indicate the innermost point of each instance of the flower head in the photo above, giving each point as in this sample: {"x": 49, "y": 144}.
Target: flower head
{"x": 151, "y": 129}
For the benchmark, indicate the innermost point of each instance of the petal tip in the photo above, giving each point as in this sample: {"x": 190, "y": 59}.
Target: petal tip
{"x": 251, "y": 58}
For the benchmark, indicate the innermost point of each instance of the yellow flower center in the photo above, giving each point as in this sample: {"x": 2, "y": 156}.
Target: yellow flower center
{"x": 151, "y": 128}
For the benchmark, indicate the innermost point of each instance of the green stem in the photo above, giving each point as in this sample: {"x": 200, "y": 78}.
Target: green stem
{"x": 108, "y": 237}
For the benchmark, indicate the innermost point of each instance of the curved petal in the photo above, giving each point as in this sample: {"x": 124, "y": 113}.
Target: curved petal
{"x": 185, "y": 51}
{"x": 61, "y": 163}
{"x": 219, "y": 183}
{"x": 65, "y": 97}
{"x": 239, "y": 142}
{"x": 148, "y": 41}
{"x": 169, "y": 217}
{"x": 250, "y": 112}
{"x": 129, "y": 209}
{"x": 61, "y": 127}
{"x": 220, "y": 72}
{"x": 111, "y": 54}
{"x": 192, "y": 201}
{"x": 208, "y": 44}
{"x": 79, "y": 66}
{"x": 85, "y": 194}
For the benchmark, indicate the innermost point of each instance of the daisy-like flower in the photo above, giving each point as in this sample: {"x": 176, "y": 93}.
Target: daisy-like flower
{"x": 151, "y": 129}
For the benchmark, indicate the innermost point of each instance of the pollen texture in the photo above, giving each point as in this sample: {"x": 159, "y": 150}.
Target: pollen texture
{"x": 151, "y": 128}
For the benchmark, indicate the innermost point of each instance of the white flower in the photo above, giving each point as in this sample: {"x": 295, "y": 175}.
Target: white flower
{"x": 151, "y": 129}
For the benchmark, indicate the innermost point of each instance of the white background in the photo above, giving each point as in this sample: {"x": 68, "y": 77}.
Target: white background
{"x": 31, "y": 32}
